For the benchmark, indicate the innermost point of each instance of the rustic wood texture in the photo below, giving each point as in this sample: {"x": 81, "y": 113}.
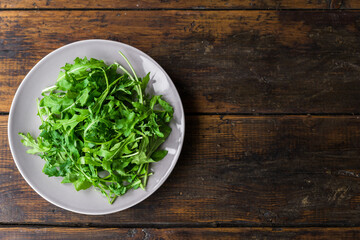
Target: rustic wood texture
{"x": 254, "y": 165}
{"x": 124, "y": 233}
{"x": 252, "y": 170}
{"x": 220, "y": 61}
{"x": 195, "y": 4}
{"x": 25, "y": 233}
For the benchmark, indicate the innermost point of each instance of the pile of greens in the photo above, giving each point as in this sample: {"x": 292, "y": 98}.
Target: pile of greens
{"x": 99, "y": 128}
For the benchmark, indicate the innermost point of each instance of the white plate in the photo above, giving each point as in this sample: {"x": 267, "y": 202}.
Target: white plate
{"x": 23, "y": 118}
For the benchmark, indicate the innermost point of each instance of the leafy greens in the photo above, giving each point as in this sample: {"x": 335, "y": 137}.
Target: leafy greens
{"x": 99, "y": 128}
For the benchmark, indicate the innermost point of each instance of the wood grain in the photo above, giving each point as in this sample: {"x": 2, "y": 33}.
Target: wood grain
{"x": 38, "y": 233}
{"x": 195, "y": 4}
{"x": 255, "y": 171}
{"x": 220, "y": 61}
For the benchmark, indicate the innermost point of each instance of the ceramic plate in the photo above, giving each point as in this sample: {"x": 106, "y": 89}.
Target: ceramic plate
{"x": 23, "y": 118}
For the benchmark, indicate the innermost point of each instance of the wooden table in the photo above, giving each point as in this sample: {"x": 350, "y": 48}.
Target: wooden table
{"x": 271, "y": 91}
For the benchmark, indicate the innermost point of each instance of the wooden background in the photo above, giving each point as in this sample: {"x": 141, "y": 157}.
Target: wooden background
{"x": 271, "y": 92}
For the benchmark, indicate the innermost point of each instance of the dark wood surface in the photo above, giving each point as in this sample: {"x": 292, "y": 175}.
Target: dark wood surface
{"x": 178, "y": 4}
{"x": 271, "y": 92}
{"x": 234, "y": 170}
{"x": 25, "y": 233}
{"x": 221, "y": 61}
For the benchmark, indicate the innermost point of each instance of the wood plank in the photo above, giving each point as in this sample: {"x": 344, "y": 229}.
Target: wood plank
{"x": 220, "y": 61}
{"x": 196, "y": 4}
{"x": 253, "y": 170}
{"x": 38, "y": 233}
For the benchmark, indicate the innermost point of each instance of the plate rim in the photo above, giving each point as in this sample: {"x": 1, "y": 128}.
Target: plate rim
{"x": 16, "y": 97}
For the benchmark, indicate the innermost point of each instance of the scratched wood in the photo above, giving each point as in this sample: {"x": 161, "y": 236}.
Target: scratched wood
{"x": 287, "y": 62}
{"x": 195, "y": 4}
{"x": 252, "y": 170}
{"x": 220, "y": 61}
{"x": 53, "y": 233}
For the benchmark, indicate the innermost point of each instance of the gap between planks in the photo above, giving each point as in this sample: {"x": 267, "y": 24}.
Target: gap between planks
{"x": 182, "y": 225}
{"x": 181, "y": 9}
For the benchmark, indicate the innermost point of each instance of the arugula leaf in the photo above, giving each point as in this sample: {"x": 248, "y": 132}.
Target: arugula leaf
{"x": 144, "y": 82}
{"x": 79, "y": 68}
{"x": 35, "y": 147}
{"x": 99, "y": 128}
{"x": 158, "y": 155}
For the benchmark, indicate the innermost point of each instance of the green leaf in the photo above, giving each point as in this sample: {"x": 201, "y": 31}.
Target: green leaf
{"x": 141, "y": 158}
{"x": 55, "y": 103}
{"x": 34, "y": 147}
{"x": 157, "y": 141}
{"x": 50, "y": 170}
{"x": 159, "y": 155}
{"x": 70, "y": 178}
{"x": 82, "y": 184}
{"x": 80, "y": 67}
{"x": 166, "y": 106}
{"x": 84, "y": 97}
{"x": 88, "y": 160}
{"x": 70, "y": 124}
{"x": 145, "y": 82}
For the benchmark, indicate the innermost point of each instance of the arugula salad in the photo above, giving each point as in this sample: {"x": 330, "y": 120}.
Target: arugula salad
{"x": 99, "y": 128}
